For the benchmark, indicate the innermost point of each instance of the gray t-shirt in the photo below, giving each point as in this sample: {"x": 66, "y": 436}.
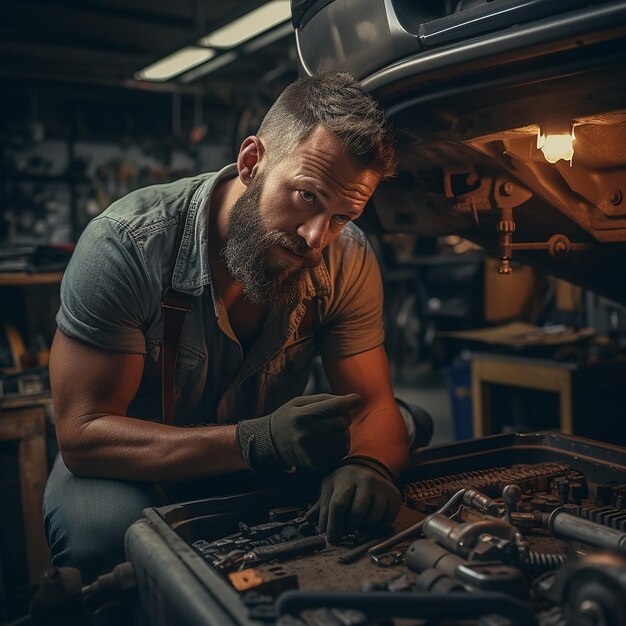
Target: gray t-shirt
{"x": 111, "y": 299}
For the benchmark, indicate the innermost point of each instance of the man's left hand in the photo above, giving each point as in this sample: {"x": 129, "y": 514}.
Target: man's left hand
{"x": 355, "y": 496}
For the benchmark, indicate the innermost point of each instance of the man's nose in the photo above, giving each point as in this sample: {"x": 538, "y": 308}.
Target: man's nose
{"x": 314, "y": 231}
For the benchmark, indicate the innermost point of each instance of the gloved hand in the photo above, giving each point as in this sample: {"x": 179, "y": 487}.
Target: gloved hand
{"x": 359, "y": 495}
{"x": 307, "y": 432}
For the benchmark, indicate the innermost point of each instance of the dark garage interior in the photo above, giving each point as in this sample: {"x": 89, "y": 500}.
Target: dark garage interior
{"x": 163, "y": 373}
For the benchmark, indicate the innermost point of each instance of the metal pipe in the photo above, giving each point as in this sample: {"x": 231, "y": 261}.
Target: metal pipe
{"x": 565, "y": 525}
{"x": 425, "y": 554}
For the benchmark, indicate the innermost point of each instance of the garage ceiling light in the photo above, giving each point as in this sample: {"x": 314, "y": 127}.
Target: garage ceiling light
{"x": 175, "y": 64}
{"x": 249, "y": 25}
{"x": 211, "y": 66}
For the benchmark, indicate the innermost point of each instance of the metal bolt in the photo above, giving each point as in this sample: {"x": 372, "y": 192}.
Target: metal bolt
{"x": 508, "y": 189}
{"x": 616, "y": 197}
{"x": 558, "y": 245}
{"x": 505, "y": 266}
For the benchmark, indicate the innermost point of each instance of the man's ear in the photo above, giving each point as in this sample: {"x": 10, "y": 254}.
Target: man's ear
{"x": 249, "y": 157}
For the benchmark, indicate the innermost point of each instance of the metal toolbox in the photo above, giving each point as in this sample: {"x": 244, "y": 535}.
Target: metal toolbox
{"x": 178, "y": 586}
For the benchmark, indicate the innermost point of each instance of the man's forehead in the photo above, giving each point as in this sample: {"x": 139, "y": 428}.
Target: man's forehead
{"x": 322, "y": 155}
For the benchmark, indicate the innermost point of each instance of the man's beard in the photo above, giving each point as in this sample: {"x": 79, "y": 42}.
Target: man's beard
{"x": 275, "y": 283}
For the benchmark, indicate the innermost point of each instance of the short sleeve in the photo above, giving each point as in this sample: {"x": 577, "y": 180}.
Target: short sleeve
{"x": 105, "y": 292}
{"x": 354, "y": 323}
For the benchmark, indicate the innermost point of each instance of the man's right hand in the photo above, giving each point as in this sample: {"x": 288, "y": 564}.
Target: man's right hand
{"x": 309, "y": 432}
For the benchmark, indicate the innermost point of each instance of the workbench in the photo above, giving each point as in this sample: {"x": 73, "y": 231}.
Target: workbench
{"x": 590, "y": 396}
{"x": 24, "y": 419}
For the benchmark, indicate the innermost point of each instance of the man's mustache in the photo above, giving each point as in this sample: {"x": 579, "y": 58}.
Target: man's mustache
{"x": 295, "y": 244}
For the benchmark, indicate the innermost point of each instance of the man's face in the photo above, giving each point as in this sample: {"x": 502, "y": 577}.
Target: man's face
{"x": 266, "y": 280}
{"x": 289, "y": 213}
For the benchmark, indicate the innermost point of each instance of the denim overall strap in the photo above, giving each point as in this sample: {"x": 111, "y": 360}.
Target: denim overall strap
{"x": 174, "y": 307}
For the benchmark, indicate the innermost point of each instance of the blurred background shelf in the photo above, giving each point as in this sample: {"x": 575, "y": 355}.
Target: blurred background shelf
{"x": 24, "y": 278}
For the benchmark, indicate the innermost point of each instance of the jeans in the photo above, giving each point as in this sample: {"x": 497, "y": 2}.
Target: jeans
{"x": 85, "y": 519}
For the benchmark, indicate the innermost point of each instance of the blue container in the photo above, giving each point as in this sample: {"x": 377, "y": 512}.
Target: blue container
{"x": 459, "y": 380}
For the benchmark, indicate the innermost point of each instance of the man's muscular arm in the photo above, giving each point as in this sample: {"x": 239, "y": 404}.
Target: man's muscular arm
{"x": 91, "y": 391}
{"x": 377, "y": 430}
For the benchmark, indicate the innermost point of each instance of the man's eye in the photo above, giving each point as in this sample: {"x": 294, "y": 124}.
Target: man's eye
{"x": 307, "y": 196}
{"x": 341, "y": 219}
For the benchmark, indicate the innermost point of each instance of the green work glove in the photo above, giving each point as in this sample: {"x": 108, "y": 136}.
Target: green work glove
{"x": 359, "y": 495}
{"x": 307, "y": 432}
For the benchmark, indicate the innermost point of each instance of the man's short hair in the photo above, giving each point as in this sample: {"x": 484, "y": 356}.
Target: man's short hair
{"x": 335, "y": 101}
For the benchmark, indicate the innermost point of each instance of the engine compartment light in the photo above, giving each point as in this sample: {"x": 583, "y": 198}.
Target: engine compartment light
{"x": 556, "y": 145}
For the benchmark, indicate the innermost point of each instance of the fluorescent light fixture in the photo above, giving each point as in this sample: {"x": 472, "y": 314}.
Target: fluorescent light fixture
{"x": 249, "y": 25}
{"x": 175, "y": 64}
{"x": 557, "y": 146}
{"x": 269, "y": 38}
{"x": 211, "y": 66}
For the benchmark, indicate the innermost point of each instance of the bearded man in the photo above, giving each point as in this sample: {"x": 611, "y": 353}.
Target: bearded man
{"x": 277, "y": 272}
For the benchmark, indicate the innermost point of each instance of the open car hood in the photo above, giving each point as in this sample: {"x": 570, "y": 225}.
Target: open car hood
{"x": 469, "y": 93}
